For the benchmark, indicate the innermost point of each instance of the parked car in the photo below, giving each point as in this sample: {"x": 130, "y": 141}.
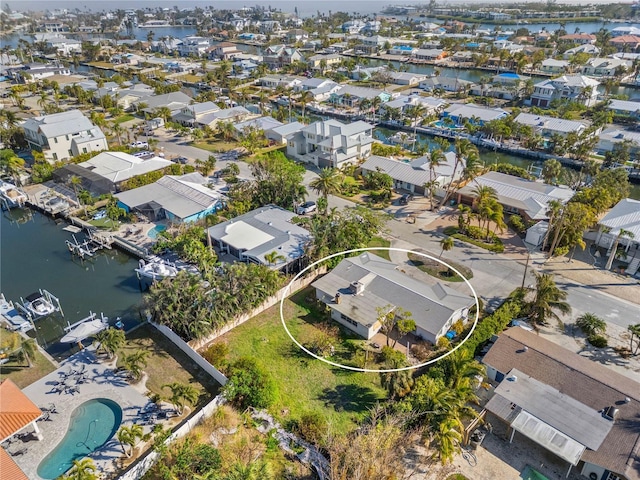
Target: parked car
{"x": 143, "y": 153}
{"x": 406, "y": 198}
{"x": 306, "y": 207}
{"x": 182, "y": 160}
{"x": 139, "y": 145}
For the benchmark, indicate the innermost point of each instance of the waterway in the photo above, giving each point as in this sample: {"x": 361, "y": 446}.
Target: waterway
{"x": 488, "y": 157}
{"x": 33, "y": 255}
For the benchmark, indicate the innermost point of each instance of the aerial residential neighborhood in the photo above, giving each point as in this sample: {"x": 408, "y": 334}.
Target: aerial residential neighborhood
{"x": 320, "y": 242}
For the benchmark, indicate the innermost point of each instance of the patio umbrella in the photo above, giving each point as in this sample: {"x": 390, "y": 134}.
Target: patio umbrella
{"x": 84, "y": 330}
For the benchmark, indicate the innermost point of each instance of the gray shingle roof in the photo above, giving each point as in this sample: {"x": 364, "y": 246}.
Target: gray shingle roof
{"x": 384, "y": 284}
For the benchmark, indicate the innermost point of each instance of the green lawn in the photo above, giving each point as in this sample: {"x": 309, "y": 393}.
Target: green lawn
{"x": 216, "y": 145}
{"x": 304, "y": 383}
{"x": 22, "y": 375}
{"x": 124, "y": 118}
{"x": 380, "y": 242}
{"x": 439, "y": 270}
{"x": 167, "y": 363}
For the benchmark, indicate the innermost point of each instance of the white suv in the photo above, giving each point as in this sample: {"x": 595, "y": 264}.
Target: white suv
{"x": 139, "y": 145}
{"x": 306, "y": 207}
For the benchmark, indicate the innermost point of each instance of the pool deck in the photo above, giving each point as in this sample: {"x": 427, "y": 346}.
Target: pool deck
{"x": 102, "y": 382}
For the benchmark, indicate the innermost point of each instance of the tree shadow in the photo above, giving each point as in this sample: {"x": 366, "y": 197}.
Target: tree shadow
{"x": 349, "y": 398}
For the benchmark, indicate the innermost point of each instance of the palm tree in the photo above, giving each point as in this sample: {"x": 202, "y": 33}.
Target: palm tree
{"x": 447, "y": 244}
{"x": 399, "y": 383}
{"x": 83, "y": 469}
{"x": 591, "y": 324}
{"x": 436, "y": 159}
{"x": 548, "y": 298}
{"x": 135, "y": 362}
{"x": 27, "y": 351}
{"x": 181, "y": 393}
{"x": 206, "y": 166}
{"x": 415, "y": 112}
{"x": 614, "y": 247}
{"x": 634, "y": 330}
{"x": 465, "y": 151}
{"x": 162, "y": 112}
{"x": 129, "y": 436}
{"x": 273, "y": 257}
{"x": 75, "y": 180}
{"x": 110, "y": 340}
{"x": 305, "y": 97}
{"x": 118, "y": 131}
{"x": 257, "y": 470}
{"x": 11, "y": 164}
{"x": 327, "y": 183}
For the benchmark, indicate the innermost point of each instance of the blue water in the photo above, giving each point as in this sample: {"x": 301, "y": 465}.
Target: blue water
{"x": 92, "y": 425}
{"x": 153, "y": 233}
{"x": 441, "y": 124}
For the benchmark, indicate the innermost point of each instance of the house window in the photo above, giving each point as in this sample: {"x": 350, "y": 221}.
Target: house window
{"x": 348, "y": 320}
{"x": 55, "y": 156}
{"x": 84, "y": 149}
{"x": 70, "y": 152}
{"x": 55, "y": 139}
{"x": 612, "y": 476}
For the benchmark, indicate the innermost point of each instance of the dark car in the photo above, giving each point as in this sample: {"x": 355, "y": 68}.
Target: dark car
{"x": 182, "y": 160}
{"x": 406, "y": 198}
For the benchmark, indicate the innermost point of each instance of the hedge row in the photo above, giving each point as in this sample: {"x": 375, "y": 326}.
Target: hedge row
{"x": 493, "y": 324}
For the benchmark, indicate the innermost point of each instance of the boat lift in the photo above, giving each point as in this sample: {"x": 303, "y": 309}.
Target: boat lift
{"x": 48, "y": 296}
{"x": 89, "y": 247}
{"x": 91, "y": 317}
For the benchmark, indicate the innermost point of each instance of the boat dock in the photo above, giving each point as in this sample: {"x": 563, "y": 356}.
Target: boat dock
{"x": 89, "y": 246}
{"x": 12, "y": 317}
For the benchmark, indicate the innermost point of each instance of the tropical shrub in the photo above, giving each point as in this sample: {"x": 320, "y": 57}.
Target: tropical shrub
{"x": 598, "y": 341}
{"x": 249, "y": 385}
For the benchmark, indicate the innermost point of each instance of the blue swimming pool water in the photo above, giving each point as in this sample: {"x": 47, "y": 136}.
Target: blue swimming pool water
{"x": 92, "y": 425}
{"x": 441, "y": 124}
{"x": 153, "y": 233}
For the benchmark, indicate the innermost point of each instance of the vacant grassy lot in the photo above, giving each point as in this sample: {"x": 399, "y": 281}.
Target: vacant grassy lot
{"x": 215, "y": 145}
{"x": 305, "y": 384}
{"x": 167, "y": 363}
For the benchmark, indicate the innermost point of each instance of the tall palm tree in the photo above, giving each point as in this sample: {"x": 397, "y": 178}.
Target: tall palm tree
{"x": 27, "y": 351}
{"x": 305, "y": 97}
{"x": 398, "y": 384}
{"x": 634, "y": 330}
{"x": 415, "y": 112}
{"x": 327, "y": 183}
{"x": 273, "y": 257}
{"x": 614, "y": 247}
{"x": 135, "y": 362}
{"x": 182, "y": 393}
{"x": 465, "y": 151}
{"x": 83, "y": 469}
{"x": 547, "y": 299}
{"x": 446, "y": 244}
{"x": 110, "y": 340}
{"x": 436, "y": 159}
{"x": 129, "y": 436}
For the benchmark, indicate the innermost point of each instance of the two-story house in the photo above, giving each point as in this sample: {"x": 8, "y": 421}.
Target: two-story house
{"x": 605, "y": 67}
{"x": 190, "y": 114}
{"x": 63, "y": 135}
{"x": 225, "y": 51}
{"x": 577, "y": 88}
{"x": 276, "y": 56}
{"x": 193, "y": 46}
{"x": 330, "y": 143}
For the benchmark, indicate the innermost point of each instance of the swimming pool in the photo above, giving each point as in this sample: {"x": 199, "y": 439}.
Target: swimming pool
{"x": 153, "y": 233}
{"x": 441, "y": 124}
{"x": 529, "y": 473}
{"x": 92, "y": 424}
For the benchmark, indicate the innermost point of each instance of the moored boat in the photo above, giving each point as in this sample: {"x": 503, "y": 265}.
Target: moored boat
{"x": 11, "y": 195}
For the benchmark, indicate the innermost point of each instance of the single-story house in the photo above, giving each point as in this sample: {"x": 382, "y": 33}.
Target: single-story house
{"x": 578, "y": 410}
{"x": 261, "y": 232}
{"x": 586, "y": 48}
{"x": 625, "y": 215}
{"x": 360, "y": 286}
{"x": 553, "y": 66}
{"x": 548, "y": 126}
{"x": 609, "y": 137}
{"x": 432, "y": 105}
{"x": 448, "y": 84}
{"x": 286, "y": 81}
{"x": 624, "y": 107}
{"x": 414, "y": 175}
{"x": 260, "y": 123}
{"x": 118, "y": 167}
{"x": 184, "y": 198}
{"x": 406, "y": 78}
{"x": 459, "y": 112}
{"x": 526, "y": 198}
{"x": 233, "y": 114}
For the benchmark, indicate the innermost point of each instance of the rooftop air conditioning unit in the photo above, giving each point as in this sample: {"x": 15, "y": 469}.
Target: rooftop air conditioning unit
{"x": 610, "y": 413}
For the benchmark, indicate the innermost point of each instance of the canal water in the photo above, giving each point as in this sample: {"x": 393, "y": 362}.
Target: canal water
{"x": 33, "y": 255}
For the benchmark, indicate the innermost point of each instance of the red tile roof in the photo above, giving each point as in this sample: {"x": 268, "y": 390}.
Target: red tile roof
{"x": 16, "y": 410}
{"x": 8, "y": 468}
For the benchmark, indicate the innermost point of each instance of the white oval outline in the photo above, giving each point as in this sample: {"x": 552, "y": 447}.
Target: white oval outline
{"x": 370, "y": 370}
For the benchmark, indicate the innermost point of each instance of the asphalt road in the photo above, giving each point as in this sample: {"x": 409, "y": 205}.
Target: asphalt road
{"x": 495, "y": 276}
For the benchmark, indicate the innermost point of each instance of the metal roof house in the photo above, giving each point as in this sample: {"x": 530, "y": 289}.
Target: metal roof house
{"x": 184, "y": 198}
{"x": 118, "y": 167}
{"x": 413, "y": 176}
{"x": 527, "y": 198}
{"x": 459, "y": 112}
{"x": 625, "y": 215}
{"x": 577, "y": 409}
{"x": 261, "y": 232}
{"x": 547, "y": 126}
{"x": 359, "y": 286}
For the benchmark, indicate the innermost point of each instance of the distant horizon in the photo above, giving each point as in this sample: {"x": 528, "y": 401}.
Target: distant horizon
{"x": 305, "y": 7}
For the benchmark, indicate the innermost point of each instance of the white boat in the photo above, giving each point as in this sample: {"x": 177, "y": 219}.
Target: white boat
{"x": 156, "y": 270}
{"x": 40, "y": 304}
{"x": 85, "y": 328}
{"x": 12, "y": 317}
{"x": 11, "y": 195}
{"x": 402, "y": 138}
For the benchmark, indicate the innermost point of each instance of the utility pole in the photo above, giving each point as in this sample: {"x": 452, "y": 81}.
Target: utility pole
{"x": 526, "y": 267}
